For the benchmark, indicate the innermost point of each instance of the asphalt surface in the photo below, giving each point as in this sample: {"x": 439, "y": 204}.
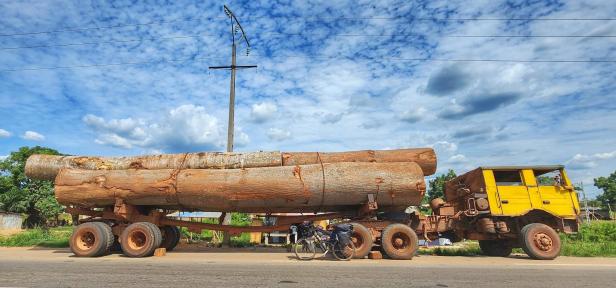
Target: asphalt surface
{"x": 32, "y": 267}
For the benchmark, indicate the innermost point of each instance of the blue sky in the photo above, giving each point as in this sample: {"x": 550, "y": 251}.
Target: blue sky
{"x": 333, "y": 75}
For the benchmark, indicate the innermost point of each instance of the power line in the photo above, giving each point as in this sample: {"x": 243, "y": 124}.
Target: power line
{"x": 105, "y": 64}
{"x": 108, "y": 42}
{"x": 442, "y": 36}
{"x": 449, "y": 60}
{"x": 77, "y": 28}
{"x": 318, "y": 57}
{"x": 165, "y": 38}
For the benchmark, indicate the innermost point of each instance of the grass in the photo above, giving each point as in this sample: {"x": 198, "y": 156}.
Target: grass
{"x": 465, "y": 248}
{"x": 237, "y": 219}
{"x": 597, "y": 239}
{"x": 52, "y": 237}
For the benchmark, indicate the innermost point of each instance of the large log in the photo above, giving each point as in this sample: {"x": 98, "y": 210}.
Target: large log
{"x": 302, "y": 188}
{"x": 46, "y": 167}
{"x": 424, "y": 157}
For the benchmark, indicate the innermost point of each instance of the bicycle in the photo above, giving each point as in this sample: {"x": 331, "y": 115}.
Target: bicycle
{"x": 314, "y": 238}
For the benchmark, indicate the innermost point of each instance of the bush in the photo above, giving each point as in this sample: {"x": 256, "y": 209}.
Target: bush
{"x": 596, "y": 231}
{"x": 595, "y": 239}
{"x": 53, "y": 237}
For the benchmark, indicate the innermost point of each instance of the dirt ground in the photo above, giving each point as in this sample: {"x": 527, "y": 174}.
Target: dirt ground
{"x": 274, "y": 267}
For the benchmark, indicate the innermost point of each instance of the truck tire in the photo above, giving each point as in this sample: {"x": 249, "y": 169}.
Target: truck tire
{"x": 540, "y": 241}
{"x": 140, "y": 239}
{"x": 91, "y": 239}
{"x": 171, "y": 237}
{"x": 399, "y": 241}
{"x": 362, "y": 239}
{"x": 496, "y": 248}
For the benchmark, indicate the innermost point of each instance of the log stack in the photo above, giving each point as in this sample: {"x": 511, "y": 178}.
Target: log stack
{"x": 259, "y": 182}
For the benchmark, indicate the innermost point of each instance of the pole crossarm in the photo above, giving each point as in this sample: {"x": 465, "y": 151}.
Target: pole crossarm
{"x": 233, "y": 67}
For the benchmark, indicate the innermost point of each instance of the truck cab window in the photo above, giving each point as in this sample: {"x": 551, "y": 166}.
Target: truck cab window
{"x": 508, "y": 178}
{"x": 551, "y": 178}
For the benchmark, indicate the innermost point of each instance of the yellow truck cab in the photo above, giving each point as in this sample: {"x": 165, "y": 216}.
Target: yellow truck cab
{"x": 512, "y": 206}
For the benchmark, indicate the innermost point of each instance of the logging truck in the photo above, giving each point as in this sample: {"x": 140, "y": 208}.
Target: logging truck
{"x": 123, "y": 202}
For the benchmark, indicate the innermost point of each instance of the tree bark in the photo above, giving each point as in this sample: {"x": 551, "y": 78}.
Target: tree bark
{"x": 46, "y": 167}
{"x": 301, "y": 188}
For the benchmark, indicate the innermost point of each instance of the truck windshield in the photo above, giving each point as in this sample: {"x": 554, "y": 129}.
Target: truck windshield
{"x": 508, "y": 178}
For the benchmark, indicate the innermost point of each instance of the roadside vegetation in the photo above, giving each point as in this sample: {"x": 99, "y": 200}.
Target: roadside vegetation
{"x": 597, "y": 239}
{"x": 215, "y": 238}
{"x": 53, "y": 237}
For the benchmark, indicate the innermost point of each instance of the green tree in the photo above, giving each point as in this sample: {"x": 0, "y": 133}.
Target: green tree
{"x": 20, "y": 194}
{"x": 436, "y": 186}
{"x": 608, "y": 185}
{"x": 545, "y": 180}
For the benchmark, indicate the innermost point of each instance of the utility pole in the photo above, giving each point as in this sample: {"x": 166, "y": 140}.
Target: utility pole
{"x": 236, "y": 27}
{"x": 586, "y": 209}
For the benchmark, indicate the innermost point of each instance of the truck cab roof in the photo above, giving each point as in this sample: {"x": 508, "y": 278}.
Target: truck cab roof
{"x": 539, "y": 169}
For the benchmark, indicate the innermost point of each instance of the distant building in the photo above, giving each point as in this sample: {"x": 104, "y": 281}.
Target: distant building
{"x": 595, "y": 213}
{"x": 10, "y": 221}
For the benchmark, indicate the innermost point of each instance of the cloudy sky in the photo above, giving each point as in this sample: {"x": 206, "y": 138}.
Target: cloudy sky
{"x": 480, "y": 81}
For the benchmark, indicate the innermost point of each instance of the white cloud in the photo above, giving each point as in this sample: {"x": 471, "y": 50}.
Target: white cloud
{"x": 2, "y": 157}
{"x": 413, "y": 115}
{"x": 445, "y": 146}
{"x": 185, "y": 128}
{"x": 33, "y": 136}
{"x": 262, "y": 112}
{"x": 4, "y": 133}
{"x": 278, "y": 134}
{"x": 456, "y": 159}
{"x": 584, "y": 161}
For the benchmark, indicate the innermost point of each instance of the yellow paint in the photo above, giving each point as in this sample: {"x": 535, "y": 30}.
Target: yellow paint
{"x": 528, "y": 177}
{"x": 255, "y": 237}
{"x": 495, "y": 206}
{"x": 510, "y": 200}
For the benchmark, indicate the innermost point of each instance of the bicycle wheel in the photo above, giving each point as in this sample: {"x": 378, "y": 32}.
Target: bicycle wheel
{"x": 343, "y": 252}
{"x": 304, "y": 249}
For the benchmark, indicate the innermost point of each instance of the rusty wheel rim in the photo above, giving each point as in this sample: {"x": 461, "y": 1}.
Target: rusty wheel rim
{"x": 137, "y": 240}
{"x": 357, "y": 241}
{"x": 85, "y": 240}
{"x": 400, "y": 241}
{"x": 543, "y": 242}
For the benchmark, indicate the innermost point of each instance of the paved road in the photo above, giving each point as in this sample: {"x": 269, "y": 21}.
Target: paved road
{"x": 265, "y": 268}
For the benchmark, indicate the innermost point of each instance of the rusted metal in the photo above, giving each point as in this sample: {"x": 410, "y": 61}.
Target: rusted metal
{"x": 125, "y": 213}
{"x": 486, "y": 225}
{"x": 46, "y": 167}
{"x": 331, "y": 187}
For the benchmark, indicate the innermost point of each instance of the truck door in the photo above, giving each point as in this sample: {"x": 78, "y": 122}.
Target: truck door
{"x": 557, "y": 196}
{"x": 512, "y": 192}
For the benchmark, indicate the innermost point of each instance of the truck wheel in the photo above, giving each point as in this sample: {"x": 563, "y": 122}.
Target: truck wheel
{"x": 399, "y": 241}
{"x": 362, "y": 239}
{"x": 497, "y": 248}
{"x": 140, "y": 239}
{"x": 540, "y": 241}
{"x": 171, "y": 237}
{"x": 91, "y": 239}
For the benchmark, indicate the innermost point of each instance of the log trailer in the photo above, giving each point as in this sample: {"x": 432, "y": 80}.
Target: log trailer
{"x": 122, "y": 202}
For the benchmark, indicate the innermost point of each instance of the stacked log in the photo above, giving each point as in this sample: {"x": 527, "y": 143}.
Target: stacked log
{"x": 46, "y": 167}
{"x": 301, "y": 188}
{"x": 242, "y": 182}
